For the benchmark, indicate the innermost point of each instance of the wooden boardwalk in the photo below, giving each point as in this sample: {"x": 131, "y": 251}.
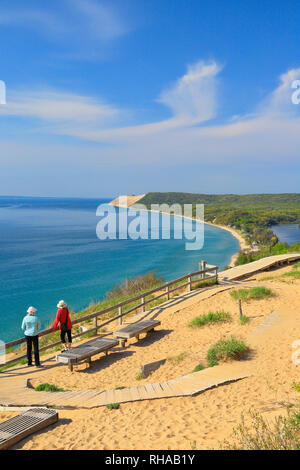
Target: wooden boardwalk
{"x": 246, "y": 270}
{"x": 15, "y": 393}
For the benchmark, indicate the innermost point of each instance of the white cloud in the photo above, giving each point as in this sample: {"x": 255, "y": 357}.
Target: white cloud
{"x": 192, "y": 100}
{"x": 76, "y": 24}
{"x": 54, "y": 106}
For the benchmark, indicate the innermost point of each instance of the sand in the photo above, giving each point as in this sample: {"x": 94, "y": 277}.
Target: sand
{"x": 203, "y": 421}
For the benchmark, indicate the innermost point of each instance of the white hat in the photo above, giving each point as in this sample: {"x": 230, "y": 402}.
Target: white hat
{"x": 31, "y": 310}
{"x": 61, "y": 304}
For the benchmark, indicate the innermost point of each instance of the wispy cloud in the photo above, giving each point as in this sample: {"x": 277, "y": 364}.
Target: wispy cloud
{"x": 191, "y": 100}
{"x": 53, "y": 106}
{"x": 268, "y": 133}
{"x": 75, "y": 24}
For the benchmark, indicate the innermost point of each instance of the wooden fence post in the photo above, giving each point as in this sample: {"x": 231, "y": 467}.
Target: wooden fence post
{"x": 240, "y": 307}
{"x": 143, "y": 306}
{"x": 120, "y": 316}
{"x": 203, "y": 267}
{"x": 96, "y": 324}
{"x": 190, "y": 283}
{"x": 167, "y": 291}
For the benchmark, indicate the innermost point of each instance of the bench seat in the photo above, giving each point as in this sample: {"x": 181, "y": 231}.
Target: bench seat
{"x": 135, "y": 329}
{"x": 84, "y": 352}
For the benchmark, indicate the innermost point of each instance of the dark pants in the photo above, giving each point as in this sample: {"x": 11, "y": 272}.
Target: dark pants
{"x": 63, "y": 333}
{"x": 33, "y": 340}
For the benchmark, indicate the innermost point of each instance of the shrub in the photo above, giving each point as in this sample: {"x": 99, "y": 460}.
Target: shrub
{"x": 252, "y": 293}
{"x": 175, "y": 360}
{"x": 48, "y": 388}
{"x": 198, "y": 368}
{"x": 113, "y": 406}
{"x": 283, "y": 435}
{"x": 135, "y": 285}
{"x": 210, "y": 317}
{"x": 244, "y": 319}
{"x": 224, "y": 350}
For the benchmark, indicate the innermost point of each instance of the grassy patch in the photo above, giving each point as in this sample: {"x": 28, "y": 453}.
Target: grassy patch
{"x": 48, "y": 388}
{"x": 296, "y": 265}
{"x": 253, "y": 293}
{"x": 119, "y": 388}
{"x": 244, "y": 319}
{"x": 140, "y": 376}
{"x": 113, "y": 406}
{"x": 209, "y": 318}
{"x": 198, "y": 368}
{"x": 175, "y": 360}
{"x": 225, "y": 350}
{"x": 8, "y": 366}
{"x": 284, "y": 434}
{"x": 204, "y": 283}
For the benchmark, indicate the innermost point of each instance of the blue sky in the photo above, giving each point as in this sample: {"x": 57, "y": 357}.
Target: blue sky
{"x": 115, "y": 97}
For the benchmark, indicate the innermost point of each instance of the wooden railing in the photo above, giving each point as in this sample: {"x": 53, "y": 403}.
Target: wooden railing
{"x": 206, "y": 270}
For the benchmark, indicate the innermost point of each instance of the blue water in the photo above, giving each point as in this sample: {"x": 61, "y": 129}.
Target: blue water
{"x": 49, "y": 251}
{"x": 289, "y": 233}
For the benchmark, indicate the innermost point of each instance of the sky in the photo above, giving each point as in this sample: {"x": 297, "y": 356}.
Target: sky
{"x": 129, "y": 96}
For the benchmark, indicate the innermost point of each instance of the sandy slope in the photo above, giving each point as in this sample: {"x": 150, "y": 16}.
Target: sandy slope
{"x": 177, "y": 422}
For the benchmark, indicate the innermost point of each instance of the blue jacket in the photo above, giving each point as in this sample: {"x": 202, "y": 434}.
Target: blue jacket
{"x": 31, "y": 325}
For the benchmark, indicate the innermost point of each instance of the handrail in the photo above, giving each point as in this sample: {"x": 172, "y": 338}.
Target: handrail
{"x": 119, "y": 306}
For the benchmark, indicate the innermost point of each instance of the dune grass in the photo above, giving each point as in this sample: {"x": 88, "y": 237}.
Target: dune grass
{"x": 48, "y": 388}
{"x": 252, "y": 293}
{"x": 175, "y": 360}
{"x": 244, "y": 320}
{"x": 225, "y": 350}
{"x": 209, "y": 318}
{"x": 113, "y": 406}
{"x": 198, "y": 368}
{"x": 284, "y": 434}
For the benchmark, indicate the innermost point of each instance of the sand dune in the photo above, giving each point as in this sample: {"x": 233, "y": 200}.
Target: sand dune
{"x": 182, "y": 423}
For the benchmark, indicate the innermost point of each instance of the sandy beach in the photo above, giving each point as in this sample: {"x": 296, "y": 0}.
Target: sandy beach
{"x": 203, "y": 421}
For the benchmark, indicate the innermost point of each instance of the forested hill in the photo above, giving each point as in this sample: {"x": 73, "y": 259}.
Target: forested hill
{"x": 251, "y": 213}
{"x": 267, "y": 201}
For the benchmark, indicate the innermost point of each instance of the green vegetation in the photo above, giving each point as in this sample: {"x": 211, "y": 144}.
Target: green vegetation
{"x": 283, "y": 435}
{"x": 253, "y": 293}
{"x": 140, "y": 376}
{"x": 209, "y": 318}
{"x": 113, "y": 406}
{"x": 175, "y": 360}
{"x": 13, "y": 364}
{"x": 120, "y": 388}
{"x": 48, "y": 388}
{"x": 225, "y": 350}
{"x": 244, "y": 319}
{"x": 198, "y": 368}
{"x": 251, "y": 214}
{"x": 204, "y": 283}
{"x": 296, "y": 265}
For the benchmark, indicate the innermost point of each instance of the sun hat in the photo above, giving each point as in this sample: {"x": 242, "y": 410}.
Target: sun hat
{"x": 61, "y": 304}
{"x": 31, "y": 310}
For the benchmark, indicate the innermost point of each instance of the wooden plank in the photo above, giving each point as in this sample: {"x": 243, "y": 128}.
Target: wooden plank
{"x": 136, "y": 328}
{"x": 17, "y": 428}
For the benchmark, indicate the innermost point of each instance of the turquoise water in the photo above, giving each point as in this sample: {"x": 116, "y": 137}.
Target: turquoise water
{"x": 289, "y": 233}
{"x": 49, "y": 251}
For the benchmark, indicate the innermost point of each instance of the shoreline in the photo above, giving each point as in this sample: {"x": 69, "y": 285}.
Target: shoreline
{"x": 242, "y": 242}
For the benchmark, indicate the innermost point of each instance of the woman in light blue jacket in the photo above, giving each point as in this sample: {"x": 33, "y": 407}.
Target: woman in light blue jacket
{"x": 31, "y": 326}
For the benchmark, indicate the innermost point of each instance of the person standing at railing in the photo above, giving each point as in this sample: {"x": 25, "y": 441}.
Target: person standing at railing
{"x": 31, "y": 326}
{"x": 65, "y": 325}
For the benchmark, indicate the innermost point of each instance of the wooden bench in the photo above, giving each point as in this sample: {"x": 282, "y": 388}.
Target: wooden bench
{"x": 17, "y": 428}
{"x": 84, "y": 352}
{"x": 135, "y": 329}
